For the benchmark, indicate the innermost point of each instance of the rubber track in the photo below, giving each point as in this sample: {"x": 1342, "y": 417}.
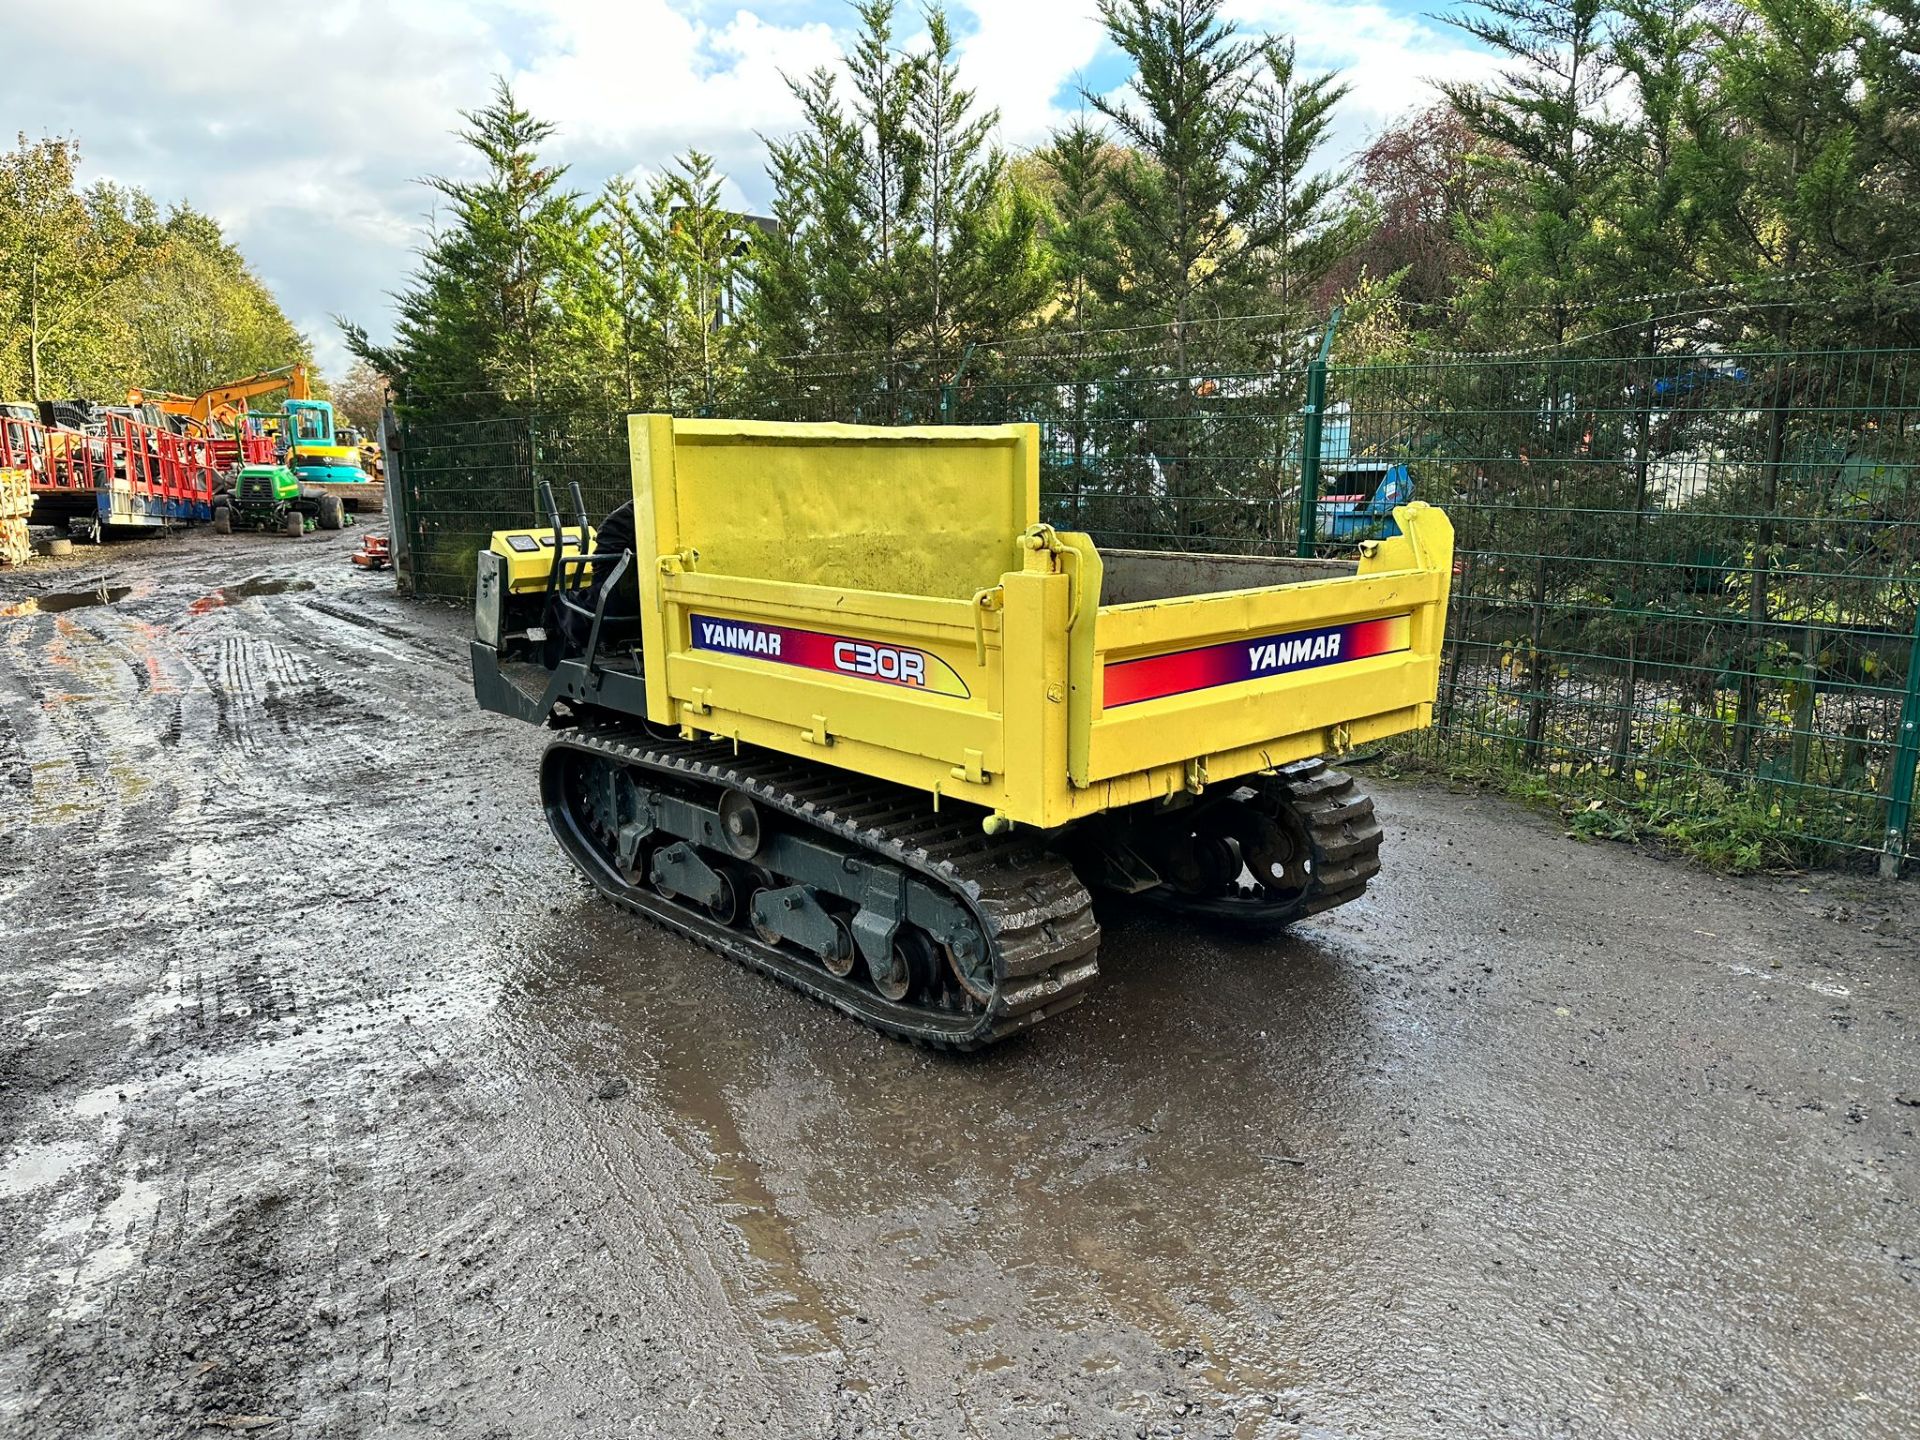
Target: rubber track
{"x": 1341, "y": 825}
{"x": 1341, "y": 828}
{"x": 1035, "y": 913}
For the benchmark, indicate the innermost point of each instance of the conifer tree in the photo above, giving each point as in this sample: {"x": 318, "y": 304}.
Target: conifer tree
{"x": 702, "y": 255}
{"x": 1187, "y": 221}
{"x": 1671, "y": 195}
{"x": 486, "y": 309}
{"x": 903, "y": 237}
{"x": 978, "y": 227}
{"x": 1305, "y": 213}
{"x": 1806, "y": 146}
{"x": 1079, "y": 224}
{"x": 1541, "y": 124}
{"x": 620, "y": 239}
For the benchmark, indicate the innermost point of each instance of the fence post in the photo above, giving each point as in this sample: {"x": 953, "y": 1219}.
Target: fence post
{"x": 950, "y": 386}
{"x": 393, "y": 445}
{"x": 1906, "y": 758}
{"x": 533, "y": 467}
{"x": 1310, "y": 439}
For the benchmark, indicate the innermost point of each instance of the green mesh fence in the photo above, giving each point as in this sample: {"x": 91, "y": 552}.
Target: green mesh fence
{"x": 465, "y": 479}
{"x": 1685, "y": 588}
{"x": 1686, "y": 585}
{"x": 1151, "y": 461}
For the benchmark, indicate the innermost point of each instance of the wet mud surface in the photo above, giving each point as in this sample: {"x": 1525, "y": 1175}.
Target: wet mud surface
{"x": 332, "y": 1104}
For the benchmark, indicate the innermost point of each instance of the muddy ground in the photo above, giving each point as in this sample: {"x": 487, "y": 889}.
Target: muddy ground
{"x": 331, "y": 1104}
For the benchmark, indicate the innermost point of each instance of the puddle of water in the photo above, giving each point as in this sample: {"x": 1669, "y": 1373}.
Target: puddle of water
{"x": 68, "y": 600}
{"x": 810, "y": 1323}
{"x": 245, "y": 590}
{"x": 36, "y": 1166}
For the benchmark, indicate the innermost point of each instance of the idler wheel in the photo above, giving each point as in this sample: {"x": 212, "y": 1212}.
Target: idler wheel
{"x": 740, "y": 826}
{"x": 911, "y": 964}
{"x": 768, "y": 935}
{"x": 725, "y": 907}
{"x": 972, "y": 967}
{"x": 846, "y": 954}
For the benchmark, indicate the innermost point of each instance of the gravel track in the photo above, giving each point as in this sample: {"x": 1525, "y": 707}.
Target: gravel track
{"x": 332, "y": 1104}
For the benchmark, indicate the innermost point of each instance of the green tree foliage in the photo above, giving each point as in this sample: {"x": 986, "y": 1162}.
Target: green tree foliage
{"x": 99, "y": 293}
{"x": 1670, "y": 195}
{"x": 494, "y": 311}
{"x": 1307, "y": 219}
{"x": 60, "y": 256}
{"x": 1647, "y": 153}
{"x": 196, "y": 315}
{"x": 532, "y": 297}
{"x": 1630, "y": 158}
{"x": 1814, "y": 197}
{"x": 618, "y": 328}
{"x": 1189, "y": 190}
{"x": 1070, "y": 175}
{"x": 698, "y": 250}
{"x": 662, "y": 304}
{"x": 1545, "y": 122}
{"x": 903, "y": 235}
{"x": 981, "y": 267}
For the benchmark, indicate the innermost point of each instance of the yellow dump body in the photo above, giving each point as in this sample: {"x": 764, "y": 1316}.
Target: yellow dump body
{"x": 885, "y": 600}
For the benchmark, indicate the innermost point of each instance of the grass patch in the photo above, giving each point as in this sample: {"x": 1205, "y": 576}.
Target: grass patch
{"x": 1745, "y": 830}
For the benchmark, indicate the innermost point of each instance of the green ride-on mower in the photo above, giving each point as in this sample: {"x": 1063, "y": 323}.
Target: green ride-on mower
{"x": 271, "y": 497}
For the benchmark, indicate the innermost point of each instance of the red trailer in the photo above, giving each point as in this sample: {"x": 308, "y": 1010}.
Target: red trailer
{"x": 122, "y": 473}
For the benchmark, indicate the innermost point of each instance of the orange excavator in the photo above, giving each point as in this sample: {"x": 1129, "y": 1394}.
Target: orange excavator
{"x": 225, "y": 406}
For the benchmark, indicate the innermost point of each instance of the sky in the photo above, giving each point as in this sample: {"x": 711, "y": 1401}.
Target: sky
{"x": 306, "y": 133}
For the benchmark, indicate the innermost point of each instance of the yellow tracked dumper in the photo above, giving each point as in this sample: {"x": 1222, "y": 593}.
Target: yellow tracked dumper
{"x": 832, "y": 701}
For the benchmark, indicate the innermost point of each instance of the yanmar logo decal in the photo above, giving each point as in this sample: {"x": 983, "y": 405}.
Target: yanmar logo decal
{"x": 1158, "y": 676}
{"x": 836, "y": 654}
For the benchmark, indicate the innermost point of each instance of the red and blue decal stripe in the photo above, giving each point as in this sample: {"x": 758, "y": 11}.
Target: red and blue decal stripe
{"x": 1155, "y": 677}
{"x": 836, "y": 654}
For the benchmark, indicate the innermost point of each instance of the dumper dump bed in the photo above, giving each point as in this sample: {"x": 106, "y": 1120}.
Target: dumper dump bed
{"x": 885, "y": 600}
{"x": 864, "y": 724}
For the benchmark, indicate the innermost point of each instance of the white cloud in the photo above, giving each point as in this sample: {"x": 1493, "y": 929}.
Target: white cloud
{"x": 305, "y": 135}
{"x": 633, "y": 85}
{"x": 1021, "y": 55}
{"x": 302, "y": 137}
{"x": 1391, "y": 58}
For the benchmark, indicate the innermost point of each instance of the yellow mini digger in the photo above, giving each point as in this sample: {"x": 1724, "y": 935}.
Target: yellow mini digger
{"x": 831, "y": 700}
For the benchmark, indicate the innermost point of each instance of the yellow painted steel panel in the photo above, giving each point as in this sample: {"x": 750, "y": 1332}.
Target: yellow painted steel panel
{"x": 528, "y": 556}
{"x": 906, "y": 510}
{"x": 883, "y": 601}
{"x": 825, "y": 604}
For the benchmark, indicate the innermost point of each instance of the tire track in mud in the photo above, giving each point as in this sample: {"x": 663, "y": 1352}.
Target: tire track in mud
{"x": 365, "y": 1182}
{"x": 178, "y": 850}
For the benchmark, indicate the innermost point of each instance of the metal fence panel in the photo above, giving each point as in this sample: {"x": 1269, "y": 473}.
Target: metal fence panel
{"x": 1156, "y": 461}
{"x": 1686, "y": 585}
{"x": 467, "y": 478}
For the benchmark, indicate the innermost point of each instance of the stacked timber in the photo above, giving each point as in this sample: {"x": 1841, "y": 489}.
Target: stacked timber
{"x": 16, "y": 501}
